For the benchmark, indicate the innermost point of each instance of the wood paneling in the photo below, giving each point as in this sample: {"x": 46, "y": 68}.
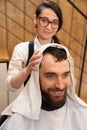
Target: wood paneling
{"x": 15, "y": 14}
{"x": 2, "y": 6}
{"x": 17, "y": 3}
{"x": 78, "y": 23}
{"x": 12, "y": 41}
{"x": 2, "y": 20}
{"x": 2, "y": 38}
{"x": 67, "y": 15}
{"x": 29, "y": 24}
{"x": 29, "y": 8}
{"x": 15, "y": 29}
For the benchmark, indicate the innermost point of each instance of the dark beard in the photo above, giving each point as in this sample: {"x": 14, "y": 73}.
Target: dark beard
{"x": 50, "y": 105}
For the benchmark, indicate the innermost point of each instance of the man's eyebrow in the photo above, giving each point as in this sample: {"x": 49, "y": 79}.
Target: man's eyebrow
{"x": 67, "y": 72}
{"x": 47, "y": 73}
{"x": 54, "y": 73}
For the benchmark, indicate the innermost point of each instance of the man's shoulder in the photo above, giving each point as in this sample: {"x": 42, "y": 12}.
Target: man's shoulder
{"x": 78, "y": 105}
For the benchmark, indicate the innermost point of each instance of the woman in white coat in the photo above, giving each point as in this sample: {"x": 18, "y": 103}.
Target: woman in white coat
{"x": 48, "y": 21}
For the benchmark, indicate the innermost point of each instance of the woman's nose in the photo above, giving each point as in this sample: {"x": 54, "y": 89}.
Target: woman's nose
{"x": 49, "y": 26}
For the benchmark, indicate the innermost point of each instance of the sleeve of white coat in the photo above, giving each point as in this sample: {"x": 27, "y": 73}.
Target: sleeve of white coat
{"x": 17, "y": 62}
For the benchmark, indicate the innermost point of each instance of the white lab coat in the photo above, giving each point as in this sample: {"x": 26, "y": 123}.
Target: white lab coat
{"x": 18, "y": 60}
{"x": 26, "y": 113}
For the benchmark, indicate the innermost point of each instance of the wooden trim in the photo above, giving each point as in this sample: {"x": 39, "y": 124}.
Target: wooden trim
{"x": 4, "y": 57}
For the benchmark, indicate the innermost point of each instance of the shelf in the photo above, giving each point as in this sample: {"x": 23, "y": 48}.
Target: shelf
{"x": 4, "y": 57}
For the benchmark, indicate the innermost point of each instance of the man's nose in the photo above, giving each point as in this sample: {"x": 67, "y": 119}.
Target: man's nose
{"x": 59, "y": 83}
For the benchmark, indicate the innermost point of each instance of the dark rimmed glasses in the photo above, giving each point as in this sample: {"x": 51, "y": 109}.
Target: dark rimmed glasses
{"x": 44, "y": 22}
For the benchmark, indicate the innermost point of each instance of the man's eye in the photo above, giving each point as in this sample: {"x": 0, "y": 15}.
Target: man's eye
{"x": 66, "y": 75}
{"x": 51, "y": 76}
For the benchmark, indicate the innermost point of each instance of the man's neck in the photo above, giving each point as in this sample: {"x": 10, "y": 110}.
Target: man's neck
{"x": 49, "y": 107}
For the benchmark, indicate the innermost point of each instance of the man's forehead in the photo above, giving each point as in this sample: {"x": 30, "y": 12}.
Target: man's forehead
{"x": 49, "y": 60}
{"x": 47, "y": 56}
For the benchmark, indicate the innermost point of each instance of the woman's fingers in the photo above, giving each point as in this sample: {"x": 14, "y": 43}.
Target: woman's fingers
{"x": 34, "y": 60}
{"x": 32, "y": 65}
{"x": 35, "y": 56}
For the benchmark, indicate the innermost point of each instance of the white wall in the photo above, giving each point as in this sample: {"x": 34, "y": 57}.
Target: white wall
{"x": 3, "y": 89}
{"x": 6, "y": 97}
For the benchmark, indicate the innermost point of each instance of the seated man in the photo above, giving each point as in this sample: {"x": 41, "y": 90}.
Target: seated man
{"x": 48, "y": 102}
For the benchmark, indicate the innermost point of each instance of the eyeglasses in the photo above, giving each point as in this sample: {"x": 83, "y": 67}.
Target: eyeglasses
{"x": 44, "y": 22}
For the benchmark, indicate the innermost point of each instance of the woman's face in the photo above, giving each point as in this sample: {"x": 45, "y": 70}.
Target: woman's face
{"x": 48, "y": 17}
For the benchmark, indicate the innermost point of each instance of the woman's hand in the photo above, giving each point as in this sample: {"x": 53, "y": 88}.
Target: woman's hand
{"x": 34, "y": 60}
{"x": 18, "y": 79}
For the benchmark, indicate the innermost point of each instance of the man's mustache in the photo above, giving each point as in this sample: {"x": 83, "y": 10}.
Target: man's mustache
{"x": 56, "y": 89}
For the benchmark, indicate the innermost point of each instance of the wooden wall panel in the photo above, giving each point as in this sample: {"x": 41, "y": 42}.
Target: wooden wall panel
{"x": 63, "y": 37}
{"x": 2, "y": 30}
{"x": 29, "y": 8}
{"x": 2, "y": 38}
{"x": 12, "y": 40}
{"x": 76, "y": 46}
{"x": 19, "y": 4}
{"x": 15, "y": 29}
{"x": 67, "y": 15}
{"x": 85, "y": 76}
{"x": 77, "y": 59}
{"x": 36, "y": 2}
{"x": 77, "y": 72}
{"x": 2, "y": 5}
{"x": 77, "y": 86}
{"x": 78, "y": 26}
{"x": 2, "y": 24}
{"x": 15, "y": 14}
{"x": 2, "y": 20}
{"x": 82, "y": 5}
{"x": 29, "y": 24}
{"x": 84, "y": 92}
{"x": 29, "y": 36}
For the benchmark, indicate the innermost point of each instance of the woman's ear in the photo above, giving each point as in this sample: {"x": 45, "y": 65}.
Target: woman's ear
{"x": 35, "y": 19}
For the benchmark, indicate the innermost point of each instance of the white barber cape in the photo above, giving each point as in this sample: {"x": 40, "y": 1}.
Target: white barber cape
{"x": 25, "y": 112}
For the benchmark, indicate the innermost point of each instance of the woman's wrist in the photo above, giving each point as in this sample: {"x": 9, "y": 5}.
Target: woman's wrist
{"x": 26, "y": 72}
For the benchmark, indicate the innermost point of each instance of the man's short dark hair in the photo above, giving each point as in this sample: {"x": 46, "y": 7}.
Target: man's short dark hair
{"x": 59, "y": 53}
